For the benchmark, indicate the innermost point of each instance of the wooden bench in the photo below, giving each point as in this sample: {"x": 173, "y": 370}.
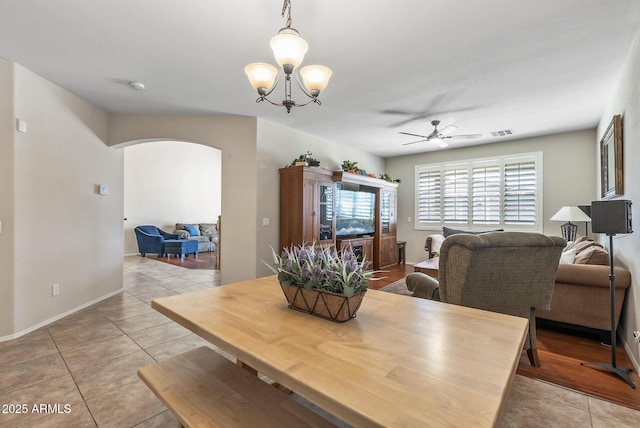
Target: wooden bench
{"x": 204, "y": 389}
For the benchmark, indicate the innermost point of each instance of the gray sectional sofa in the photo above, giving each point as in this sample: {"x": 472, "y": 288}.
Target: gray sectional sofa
{"x": 206, "y": 234}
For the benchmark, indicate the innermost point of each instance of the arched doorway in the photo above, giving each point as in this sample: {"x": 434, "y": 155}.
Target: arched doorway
{"x": 169, "y": 182}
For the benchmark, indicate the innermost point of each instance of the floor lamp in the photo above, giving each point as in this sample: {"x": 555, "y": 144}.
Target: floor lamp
{"x": 611, "y": 218}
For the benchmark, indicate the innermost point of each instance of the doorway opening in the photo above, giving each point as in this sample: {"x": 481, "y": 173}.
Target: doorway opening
{"x": 168, "y": 184}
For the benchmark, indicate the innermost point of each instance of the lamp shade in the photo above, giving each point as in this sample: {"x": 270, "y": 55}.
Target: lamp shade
{"x": 288, "y": 47}
{"x": 570, "y": 214}
{"x": 315, "y": 77}
{"x": 261, "y": 75}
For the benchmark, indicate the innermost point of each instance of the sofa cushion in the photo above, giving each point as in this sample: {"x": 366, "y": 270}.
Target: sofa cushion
{"x": 594, "y": 255}
{"x": 193, "y": 230}
{"x": 583, "y": 243}
{"x": 182, "y": 233}
{"x": 208, "y": 229}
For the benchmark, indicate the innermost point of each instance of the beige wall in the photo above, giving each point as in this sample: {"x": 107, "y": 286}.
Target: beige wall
{"x": 278, "y": 146}
{"x": 569, "y": 177}
{"x": 169, "y": 182}
{"x": 252, "y": 152}
{"x": 235, "y": 136}
{"x": 65, "y": 232}
{"x": 7, "y": 257}
{"x": 625, "y": 100}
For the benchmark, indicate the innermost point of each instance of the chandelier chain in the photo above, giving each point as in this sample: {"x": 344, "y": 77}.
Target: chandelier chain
{"x": 286, "y": 7}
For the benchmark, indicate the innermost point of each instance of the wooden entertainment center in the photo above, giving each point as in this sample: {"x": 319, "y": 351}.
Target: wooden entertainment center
{"x": 308, "y": 212}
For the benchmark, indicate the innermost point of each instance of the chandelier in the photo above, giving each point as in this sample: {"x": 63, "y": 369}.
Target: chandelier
{"x": 288, "y": 49}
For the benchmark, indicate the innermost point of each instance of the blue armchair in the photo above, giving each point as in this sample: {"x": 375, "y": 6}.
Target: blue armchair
{"x": 151, "y": 239}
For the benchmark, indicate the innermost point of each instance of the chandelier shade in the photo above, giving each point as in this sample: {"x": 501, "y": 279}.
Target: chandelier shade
{"x": 315, "y": 77}
{"x": 261, "y": 75}
{"x": 288, "y": 47}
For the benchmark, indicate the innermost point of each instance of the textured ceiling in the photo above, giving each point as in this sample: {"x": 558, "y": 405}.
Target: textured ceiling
{"x": 532, "y": 67}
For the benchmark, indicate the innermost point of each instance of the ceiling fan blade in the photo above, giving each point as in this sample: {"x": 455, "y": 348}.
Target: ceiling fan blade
{"x": 405, "y": 121}
{"x": 414, "y": 135}
{"x": 465, "y": 136}
{"x": 401, "y": 112}
{"x": 448, "y": 129}
{"x": 413, "y": 142}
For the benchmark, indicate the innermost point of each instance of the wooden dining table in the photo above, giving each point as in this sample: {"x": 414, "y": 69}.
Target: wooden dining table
{"x": 402, "y": 361}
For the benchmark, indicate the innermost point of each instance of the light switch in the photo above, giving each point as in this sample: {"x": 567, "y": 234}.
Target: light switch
{"x": 265, "y": 221}
{"x": 0, "y": 227}
{"x": 21, "y": 126}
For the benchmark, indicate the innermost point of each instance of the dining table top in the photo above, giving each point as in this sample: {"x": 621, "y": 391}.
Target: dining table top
{"x": 402, "y": 361}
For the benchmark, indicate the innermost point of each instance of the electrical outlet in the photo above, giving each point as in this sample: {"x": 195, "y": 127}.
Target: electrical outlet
{"x": 55, "y": 290}
{"x": 636, "y": 336}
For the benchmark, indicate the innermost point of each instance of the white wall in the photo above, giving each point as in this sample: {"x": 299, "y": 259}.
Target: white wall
{"x": 65, "y": 232}
{"x": 569, "y": 177}
{"x": 169, "y": 182}
{"x": 7, "y": 209}
{"x": 625, "y": 100}
{"x": 278, "y": 146}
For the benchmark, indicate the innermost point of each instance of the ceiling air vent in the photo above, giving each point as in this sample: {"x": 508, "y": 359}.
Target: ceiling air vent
{"x": 503, "y": 133}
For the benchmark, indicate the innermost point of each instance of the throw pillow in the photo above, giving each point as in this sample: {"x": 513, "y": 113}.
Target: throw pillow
{"x": 585, "y": 245}
{"x": 208, "y": 229}
{"x": 593, "y": 256}
{"x": 191, "y": 229}
{"x": 568, "y": 257}
{"x": 447, "y": 231}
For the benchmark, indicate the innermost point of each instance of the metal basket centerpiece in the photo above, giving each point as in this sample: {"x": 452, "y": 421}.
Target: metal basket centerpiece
{"x": 322, "y": 281}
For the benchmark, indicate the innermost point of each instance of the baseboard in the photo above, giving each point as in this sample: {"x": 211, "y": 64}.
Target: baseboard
{"x": 58, "y": 317}
{"x": 634, "y": 361}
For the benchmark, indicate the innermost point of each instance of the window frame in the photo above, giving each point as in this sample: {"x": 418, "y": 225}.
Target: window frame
{"x": 501, "y": 161}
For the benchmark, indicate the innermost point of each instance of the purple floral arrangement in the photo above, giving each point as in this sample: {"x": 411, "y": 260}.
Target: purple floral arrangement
{"x": 322, "y": 268}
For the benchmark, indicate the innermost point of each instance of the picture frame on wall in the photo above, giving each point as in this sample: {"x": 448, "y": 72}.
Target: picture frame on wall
{"x": 611, "y": 173}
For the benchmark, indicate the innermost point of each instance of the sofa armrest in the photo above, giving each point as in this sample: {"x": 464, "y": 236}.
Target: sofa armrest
{"x": 166, "y": 235}
{"x": 423, "y": 286}
{"x": 593, "y": 275}
{"x": 433, "y": 243}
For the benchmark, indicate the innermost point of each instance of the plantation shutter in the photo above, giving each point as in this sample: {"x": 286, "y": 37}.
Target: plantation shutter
{"x": 456, "y": 195}
{"x": 429, "y": 196}
{"x": 501, "y": 192}
{"x": 520, "y": 193}
{"x": 485, "y": 190}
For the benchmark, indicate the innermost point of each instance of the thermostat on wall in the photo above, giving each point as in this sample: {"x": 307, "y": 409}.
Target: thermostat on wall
{"x": 103, "y": 189}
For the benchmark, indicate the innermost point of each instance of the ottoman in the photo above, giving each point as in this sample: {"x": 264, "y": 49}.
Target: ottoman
{"x": 180, "y": 247}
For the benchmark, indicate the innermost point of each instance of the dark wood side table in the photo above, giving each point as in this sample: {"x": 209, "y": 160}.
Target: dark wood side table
{"x": 401, "y": 250}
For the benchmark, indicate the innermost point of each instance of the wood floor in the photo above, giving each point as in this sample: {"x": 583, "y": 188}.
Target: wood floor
{"x": 560, "y": 351}
{"x": 205, "y": 260}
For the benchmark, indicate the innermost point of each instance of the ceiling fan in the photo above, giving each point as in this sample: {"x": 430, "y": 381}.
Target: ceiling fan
{"x": 438, "y": 136}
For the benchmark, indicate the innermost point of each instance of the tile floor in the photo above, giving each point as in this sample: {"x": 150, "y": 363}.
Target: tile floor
{"x": 88, "y": 361}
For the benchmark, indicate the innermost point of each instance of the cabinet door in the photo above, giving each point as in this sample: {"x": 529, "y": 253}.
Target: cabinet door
{"x": 387, "y": 213}
{"x": 326, "y": 213}
{"x": 388, "y": 255}
{"x": 309, "y": 221}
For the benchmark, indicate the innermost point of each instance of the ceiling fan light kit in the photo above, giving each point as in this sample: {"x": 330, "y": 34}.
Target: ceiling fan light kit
{"x": 289, "y": 50}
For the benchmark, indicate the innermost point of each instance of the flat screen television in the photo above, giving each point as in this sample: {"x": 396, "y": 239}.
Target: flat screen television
{"x": 355, "y": 212}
